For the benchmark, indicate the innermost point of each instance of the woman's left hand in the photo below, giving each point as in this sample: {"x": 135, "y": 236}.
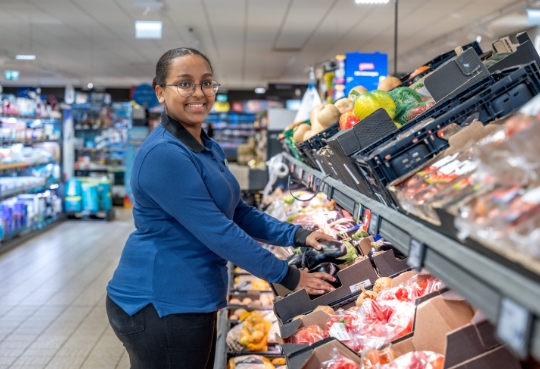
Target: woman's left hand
{"x": 314, "y": 238}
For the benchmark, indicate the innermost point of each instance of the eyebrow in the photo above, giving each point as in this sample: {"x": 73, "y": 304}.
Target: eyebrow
{"x": 189, "y": 75}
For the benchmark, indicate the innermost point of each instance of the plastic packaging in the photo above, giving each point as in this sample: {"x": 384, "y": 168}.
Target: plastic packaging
{"x": 308, "y": 335}
{"x": 254, "y": 332}
{"x": 339, "y": 361}
{"x": 416, "y": 360}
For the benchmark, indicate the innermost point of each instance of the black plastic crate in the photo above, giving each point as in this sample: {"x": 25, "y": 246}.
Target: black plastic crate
{"x": 305, "y": 152}
{"x": 437, "y": 62}
{"x": 307, "y": 148}
{"x": 400, "y": 156}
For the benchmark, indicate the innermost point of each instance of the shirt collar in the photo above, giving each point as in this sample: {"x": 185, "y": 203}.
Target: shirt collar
{"x": 182, "y": 134}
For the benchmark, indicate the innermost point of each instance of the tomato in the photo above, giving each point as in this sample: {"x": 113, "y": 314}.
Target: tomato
{"x": 438, "y": 363}
{"x": 402, "y": 294}
{"x": 308, "y": 335}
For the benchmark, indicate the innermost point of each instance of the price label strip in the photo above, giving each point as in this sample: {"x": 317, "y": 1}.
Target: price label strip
{"x": 417, "y": 254}
{"x": 374, "y": 224}
{"x": 514, "y": 326}
{"x": 291, "y": 168}
{"x": 357, "y": 213}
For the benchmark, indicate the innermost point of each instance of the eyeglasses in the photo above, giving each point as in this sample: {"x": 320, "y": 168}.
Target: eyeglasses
{"x": 187, "y": 88}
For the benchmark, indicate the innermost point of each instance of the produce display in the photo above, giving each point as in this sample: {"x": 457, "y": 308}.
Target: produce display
{"x": 464, "y": 163}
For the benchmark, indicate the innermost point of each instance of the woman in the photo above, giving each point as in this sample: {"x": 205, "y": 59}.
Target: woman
{"x": 172, "y": 275}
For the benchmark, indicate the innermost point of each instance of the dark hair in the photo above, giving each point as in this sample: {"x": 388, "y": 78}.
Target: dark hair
{"x": 163, "y": 64}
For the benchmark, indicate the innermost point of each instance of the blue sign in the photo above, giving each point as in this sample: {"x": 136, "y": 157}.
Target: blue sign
{"x": 135, "y": 138}
{"x": 365, "y": 70}
{"x": 145, "y": 95}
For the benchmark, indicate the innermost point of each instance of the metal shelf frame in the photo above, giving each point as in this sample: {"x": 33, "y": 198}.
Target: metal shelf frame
{"x": 479, "y": 279}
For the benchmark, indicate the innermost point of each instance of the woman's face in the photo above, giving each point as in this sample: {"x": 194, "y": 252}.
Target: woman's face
{"x": 191, "y": 110}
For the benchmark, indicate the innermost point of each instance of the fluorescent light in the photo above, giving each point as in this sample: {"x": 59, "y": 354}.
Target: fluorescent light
{"x": 148, "y": 29}
{"x": 479, "y": 39}
{"x": 25, "y": 57}
{"x": 372, "y": 1}
{"x": 90, "y": 85}
{"x": 260, "y": 90}
{"x": 533, "y": 16}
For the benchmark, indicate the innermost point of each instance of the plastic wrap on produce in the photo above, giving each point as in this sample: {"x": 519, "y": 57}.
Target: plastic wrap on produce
{"x": 339, "y": 361}
{"x": 415, "y": 360}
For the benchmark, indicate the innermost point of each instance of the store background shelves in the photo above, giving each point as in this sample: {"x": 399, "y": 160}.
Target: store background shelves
{"x": 480, "y": 279}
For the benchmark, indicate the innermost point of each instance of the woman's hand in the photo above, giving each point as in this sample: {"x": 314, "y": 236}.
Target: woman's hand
{"x": 314, "y": 238}
{"x": 314, "y": 284}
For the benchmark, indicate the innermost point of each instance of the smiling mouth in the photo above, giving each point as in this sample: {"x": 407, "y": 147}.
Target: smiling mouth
{"x": 196, "y": 106}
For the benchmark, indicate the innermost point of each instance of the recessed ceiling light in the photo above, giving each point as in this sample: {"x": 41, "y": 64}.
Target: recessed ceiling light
{"x": 533, "y": 16}
{"x": 25, "y": 57}
{"x": 479, "y": 38}
{"x": 90, "y": 85}
{"x": 260, "y": 90}
{"x": 372, "y": 1}
{"x": 148, "y": 29}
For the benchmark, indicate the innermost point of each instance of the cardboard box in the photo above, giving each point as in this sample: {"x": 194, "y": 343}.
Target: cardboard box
{"x": 522, "y": 53}
{"x": 446, "y": 324}
{"x": 351, "y": 278}
{"x": 320, "y": 318}
{"x": 386, "y": 263}
{"x": 313, "y": 357}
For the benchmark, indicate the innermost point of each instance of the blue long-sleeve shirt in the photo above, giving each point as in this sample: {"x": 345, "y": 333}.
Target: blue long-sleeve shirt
{"x": 190, "y": 220}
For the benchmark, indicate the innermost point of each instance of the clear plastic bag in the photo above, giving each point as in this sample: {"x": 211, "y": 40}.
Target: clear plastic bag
{"x": 339, "y": 361}
{"x": 416, "y": 360}
{"x": 308, "y": 335}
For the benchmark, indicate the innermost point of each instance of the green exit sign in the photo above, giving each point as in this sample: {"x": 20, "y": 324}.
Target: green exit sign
{"x": 11, "y": 75}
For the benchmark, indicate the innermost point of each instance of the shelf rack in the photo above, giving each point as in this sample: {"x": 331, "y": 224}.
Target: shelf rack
{"x": 484, "y": 282}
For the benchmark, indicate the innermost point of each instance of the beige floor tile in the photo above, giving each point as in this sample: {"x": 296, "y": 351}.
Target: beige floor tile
{"x": 52, "y": 298}
{"x": 124, "y": 362}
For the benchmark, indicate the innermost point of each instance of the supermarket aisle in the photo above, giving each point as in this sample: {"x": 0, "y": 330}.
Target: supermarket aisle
{"x": 52, "y": 298}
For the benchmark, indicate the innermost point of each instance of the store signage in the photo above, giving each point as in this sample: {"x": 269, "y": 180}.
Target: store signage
{"x": 11, "y": 75}
{"x": 145, "y": 95}
{"x": 514, "y": 326}
{"x": 366, "y": 70}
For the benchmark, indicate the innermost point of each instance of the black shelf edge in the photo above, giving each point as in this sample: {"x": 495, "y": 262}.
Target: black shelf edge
{"x": 478, "y": 278}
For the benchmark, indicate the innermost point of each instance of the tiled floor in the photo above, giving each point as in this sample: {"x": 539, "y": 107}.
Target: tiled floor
{"x": 52, "y": 298}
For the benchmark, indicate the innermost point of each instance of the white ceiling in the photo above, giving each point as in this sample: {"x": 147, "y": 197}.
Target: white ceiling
{"x": 250, "y": 42}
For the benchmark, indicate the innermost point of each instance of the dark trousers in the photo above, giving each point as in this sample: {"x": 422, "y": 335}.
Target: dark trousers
{"x": 177, "y": 341}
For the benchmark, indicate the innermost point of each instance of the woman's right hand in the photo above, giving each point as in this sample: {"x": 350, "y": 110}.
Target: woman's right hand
{"x": 314, "y": 284}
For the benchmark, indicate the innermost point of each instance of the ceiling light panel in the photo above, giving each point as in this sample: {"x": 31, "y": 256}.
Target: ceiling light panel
{"x": 148, "y": 29}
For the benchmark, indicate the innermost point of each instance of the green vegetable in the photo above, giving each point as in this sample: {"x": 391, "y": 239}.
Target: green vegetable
{"x": 360, "y": 235}
{"x": 289, "y": 199}
{"x": 351, "y": 253}
{"x": 405, "y": 99}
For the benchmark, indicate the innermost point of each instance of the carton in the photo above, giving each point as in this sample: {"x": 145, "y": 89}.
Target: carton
{"x": 446, "y": 324}
{"x": 313, "y": 357}
{"x": 320, "y": 318}
{"x": 351, "y": 278}
{"x": 386, "y": 263}
{"x": 522, "y": 53}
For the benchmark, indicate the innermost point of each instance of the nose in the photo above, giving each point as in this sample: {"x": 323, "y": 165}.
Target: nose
{"x": 198, "y": 90}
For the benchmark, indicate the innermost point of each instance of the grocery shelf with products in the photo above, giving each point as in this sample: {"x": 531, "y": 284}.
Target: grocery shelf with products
{"x": 382, "y": 310}
{"x": 232, "y": 130}
{"x": 30, "y": 167}
{"x": 443, "y": 172}
{"x": 100, "y": 144}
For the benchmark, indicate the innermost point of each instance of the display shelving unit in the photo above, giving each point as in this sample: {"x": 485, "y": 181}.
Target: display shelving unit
{"x": 231, "y": 130}
{"x": 107, "y": 159}
{"x": 485, "y": 279}
{"x": 52, "y": 184}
